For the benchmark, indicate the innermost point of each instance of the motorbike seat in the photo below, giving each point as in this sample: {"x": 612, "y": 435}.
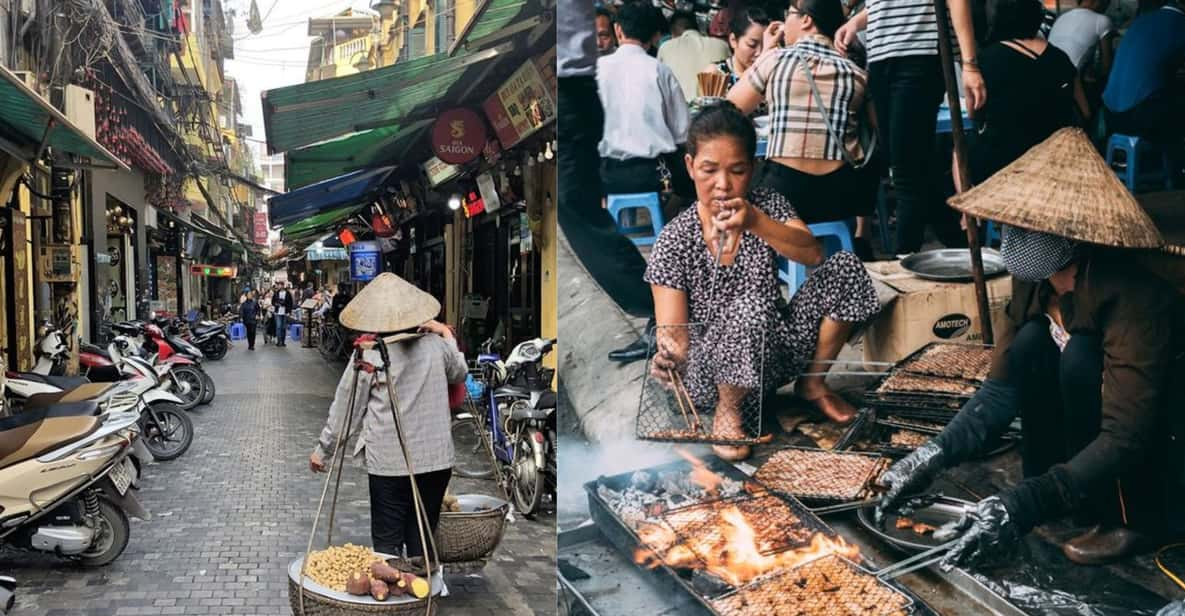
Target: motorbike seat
{"x": 511, "y": 390}
{"x": 61, "y": 382}
{"x": 86, "y": 347}
{"x": 34, "y": 432}
{"x": 546, "y": 400}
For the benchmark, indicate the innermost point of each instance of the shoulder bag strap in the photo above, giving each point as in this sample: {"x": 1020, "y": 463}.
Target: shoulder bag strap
{"x": 810, "y": 78}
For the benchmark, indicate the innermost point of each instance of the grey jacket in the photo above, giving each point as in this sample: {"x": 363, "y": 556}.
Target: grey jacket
{"x": 422, "y": 369}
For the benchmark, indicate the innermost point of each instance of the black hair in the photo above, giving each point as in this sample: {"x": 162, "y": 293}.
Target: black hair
{"x": 639, "y": 21}
{"x": 603, "y": 12}
{"x": 722, "y": 119}
{"x": 827, "y": 14}
{"x": 686, "y": 17}
{"x": 742, "y": 20}
{"x": 1014, "y": 19}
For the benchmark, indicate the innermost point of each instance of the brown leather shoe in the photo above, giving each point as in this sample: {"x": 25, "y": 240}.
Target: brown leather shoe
{"x": 1099, "y": 547}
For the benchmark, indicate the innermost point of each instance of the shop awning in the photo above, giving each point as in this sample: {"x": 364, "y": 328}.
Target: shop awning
{"x": 358, "y": 151}
{"x": 308, "y": 113}
{"x": 495, "y": 20}
{"x": 29, "y": 120}
{"x": 351, "y": 189}
{"x": 315, "y": 226}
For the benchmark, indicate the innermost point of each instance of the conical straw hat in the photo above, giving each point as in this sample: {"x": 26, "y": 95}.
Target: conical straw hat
{"x": 1062, "y": 186}
{"x": 388, "y": 304}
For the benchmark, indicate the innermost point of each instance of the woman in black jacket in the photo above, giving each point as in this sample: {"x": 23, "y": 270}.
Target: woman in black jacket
{"x": 248, "y": 313}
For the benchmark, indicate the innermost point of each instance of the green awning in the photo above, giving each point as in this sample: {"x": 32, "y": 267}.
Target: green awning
{"x": 318, "y": 224}
{"x": 503, "y": 17}
{"x": 25, "y": 116}
{"x": 372, "y": 148}
{"x": 308, "y": 113}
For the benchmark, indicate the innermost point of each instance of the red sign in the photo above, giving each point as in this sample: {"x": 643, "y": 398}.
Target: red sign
{"x": 458, "y": 136}
{"x": 521, "y": 106}
{"x": 260, "y": 228}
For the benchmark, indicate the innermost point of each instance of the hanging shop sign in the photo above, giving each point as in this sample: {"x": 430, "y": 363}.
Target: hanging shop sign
{"x": 439, "y": 172}
{"x": 213, "y": 271}
{"x": 489, "y": 192}
{"x": 458, "y": 136}
{"x": 473, "y": 205}
{"x": 261, "y": 228}
{"x": 326, "y": 254}
{"x": 520, "y": 106}
{"x": 346, "y": 236}
{"x": 364, "y": 261}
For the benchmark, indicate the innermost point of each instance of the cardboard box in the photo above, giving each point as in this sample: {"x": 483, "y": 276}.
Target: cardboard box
{"x": 917, "y": 311}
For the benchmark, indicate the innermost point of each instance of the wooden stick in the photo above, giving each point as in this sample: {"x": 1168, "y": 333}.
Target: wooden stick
{"x": 690, "y": 403}
{"x": 679, "y": 399}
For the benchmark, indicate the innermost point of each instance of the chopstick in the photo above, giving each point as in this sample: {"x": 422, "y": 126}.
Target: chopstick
{"x": 860, "y": 504}
{"x": 680, "y": 387}
{"x": 679, "y": 398}
{"x": 920, "y": 560}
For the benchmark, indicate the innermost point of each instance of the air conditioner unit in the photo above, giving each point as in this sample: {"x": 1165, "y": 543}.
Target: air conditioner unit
{"x": 80, "y": 109}
{"x": 60, "y": 262}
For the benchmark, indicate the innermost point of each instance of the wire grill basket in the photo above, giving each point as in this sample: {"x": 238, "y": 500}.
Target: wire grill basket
{"x": 828, "y": 585}
{"x": 822, "y": 477}
{"x": 712, "y": 395}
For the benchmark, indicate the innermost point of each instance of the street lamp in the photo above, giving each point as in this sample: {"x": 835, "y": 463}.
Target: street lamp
{"x": 454, "y": 202}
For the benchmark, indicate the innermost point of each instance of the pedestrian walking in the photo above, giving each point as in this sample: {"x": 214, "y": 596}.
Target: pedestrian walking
{"x": 424, "y": 361}
{"x": 282, "y": 303}
{"x": 249, "y": 312}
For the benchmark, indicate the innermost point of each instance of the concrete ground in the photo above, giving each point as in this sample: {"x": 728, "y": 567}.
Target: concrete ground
{"x": 238, "y": 507}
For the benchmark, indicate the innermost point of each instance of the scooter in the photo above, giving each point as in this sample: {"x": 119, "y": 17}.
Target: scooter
{"x": 211, "y": 337}
{"x": 518, "y": 419}
{"x": 65, "y": 479}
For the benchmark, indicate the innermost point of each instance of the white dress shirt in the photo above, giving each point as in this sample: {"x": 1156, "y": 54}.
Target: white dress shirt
{"x": 645, "y": 111}
{"x": 689, "y": 54}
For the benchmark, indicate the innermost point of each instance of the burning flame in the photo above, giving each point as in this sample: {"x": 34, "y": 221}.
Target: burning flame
{"x": 739, "y": 559}
{"x": 700, "y": 475}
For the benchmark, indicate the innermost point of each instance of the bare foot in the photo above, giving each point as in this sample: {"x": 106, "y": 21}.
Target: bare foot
{"x": 727, "y": 425}
{"x": 831, "y": 404}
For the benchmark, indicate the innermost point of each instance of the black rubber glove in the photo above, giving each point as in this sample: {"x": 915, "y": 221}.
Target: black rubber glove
{"x": 909, "y": 475}
{"x": 988, "y": 534}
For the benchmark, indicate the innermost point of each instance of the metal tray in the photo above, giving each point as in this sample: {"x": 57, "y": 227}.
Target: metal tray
{"x": 951, "y": 264}
{"x": 945, "y": 509}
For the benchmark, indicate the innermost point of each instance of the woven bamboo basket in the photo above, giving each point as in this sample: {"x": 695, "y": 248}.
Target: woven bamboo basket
{"x": 465, "y": 538}
{"x": 322, "y": 601}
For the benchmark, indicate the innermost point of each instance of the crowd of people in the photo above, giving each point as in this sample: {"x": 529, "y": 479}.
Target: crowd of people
{"x": 825, "y": 105}
{"x": 277, "y": 306}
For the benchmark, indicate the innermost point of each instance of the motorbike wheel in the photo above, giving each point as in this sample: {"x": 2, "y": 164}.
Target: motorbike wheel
{"x": 111, "y": 536}
{"x": 470, "y": 439}
{"x": 216, "y": 349}
{"x": 168, "y": 431}
{"x": 526, "y": 478}
{"x": 210, "y": 389}
{"x": 197, "y": 386}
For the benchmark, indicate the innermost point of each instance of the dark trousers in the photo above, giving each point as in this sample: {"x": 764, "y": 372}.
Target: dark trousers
{"x": 907, "y": 92}
{"x": 392, "y": 510}
{"x": 1157, "y": 118}
{"x": 1061, "y": 413}
{"x": 250, "y": 325}
{"x": 610, "y": 257}
{"x": 642, "y": 175}
{"x": 844, "y": 193}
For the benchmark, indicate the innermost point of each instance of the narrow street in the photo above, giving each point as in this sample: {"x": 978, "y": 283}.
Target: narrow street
{"x": 237, "y": 508}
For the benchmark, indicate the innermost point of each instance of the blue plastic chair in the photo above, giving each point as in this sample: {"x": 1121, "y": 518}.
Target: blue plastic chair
{"x": 630, "y": 204}
{"x": 294, "y": 331}
{"x": 238, "y": 331}
{"x": 1131, "y": 170}
{"x": 835, "y": 237}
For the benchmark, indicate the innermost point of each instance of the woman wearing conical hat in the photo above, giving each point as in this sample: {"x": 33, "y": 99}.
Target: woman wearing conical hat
{"x": 424, "y": 361}
{"x": 1091, "y": 361}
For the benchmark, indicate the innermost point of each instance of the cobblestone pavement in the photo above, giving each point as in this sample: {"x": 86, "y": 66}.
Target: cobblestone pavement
{"x": 238, "y": 506}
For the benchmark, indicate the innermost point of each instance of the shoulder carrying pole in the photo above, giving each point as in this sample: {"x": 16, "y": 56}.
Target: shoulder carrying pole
{"x": 942, "y": 17}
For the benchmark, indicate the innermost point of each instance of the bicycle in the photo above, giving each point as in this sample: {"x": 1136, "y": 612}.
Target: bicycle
{"x": 331, "y": 343}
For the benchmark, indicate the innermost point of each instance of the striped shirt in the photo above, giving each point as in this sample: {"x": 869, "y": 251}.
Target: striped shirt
{"x": 899, "y": 28}
{"x": 797, "y": 128}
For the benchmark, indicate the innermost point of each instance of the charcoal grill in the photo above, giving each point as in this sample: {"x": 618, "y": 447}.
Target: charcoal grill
{"x": 777, "y": 525}
{"x": 686, "y": 582}
{"x": 817, "y": 587}
{"x": 810, "y": 474}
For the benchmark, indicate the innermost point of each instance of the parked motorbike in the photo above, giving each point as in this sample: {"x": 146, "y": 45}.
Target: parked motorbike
{"x": 167, "y": 340}
{"x": 517, "y": 420}
{"x": 65, "y": 487}
{"x": 211, "y": 337}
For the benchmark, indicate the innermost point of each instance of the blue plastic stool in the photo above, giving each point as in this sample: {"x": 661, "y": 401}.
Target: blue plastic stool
{"x": 992, "y": 234}
{"x": 238, "y": 331}
{"x": 835, "y": 236}
{"x": 622, "y": 204}
{"x": 294, "y": 331}
{"x": 1131, "y": 170}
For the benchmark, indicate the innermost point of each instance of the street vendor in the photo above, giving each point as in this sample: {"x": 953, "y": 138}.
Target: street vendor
{"x": 424, "y": 361}
{"x": 1091, "y": 360}
{"x": 738, "y": 300}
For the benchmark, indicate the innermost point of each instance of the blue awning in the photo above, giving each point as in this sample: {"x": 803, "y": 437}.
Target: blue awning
{"x": 355, "y": 188}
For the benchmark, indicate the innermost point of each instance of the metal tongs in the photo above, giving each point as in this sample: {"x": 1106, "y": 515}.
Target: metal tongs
{"x": 920, "y": 560}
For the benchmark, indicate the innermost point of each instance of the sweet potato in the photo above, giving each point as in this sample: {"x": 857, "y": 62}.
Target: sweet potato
{"x": 379, "y": 590}
{"x": 417, "y": 586}
{"x": 358, "y": 583}
{"x": 385, "y": 572}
